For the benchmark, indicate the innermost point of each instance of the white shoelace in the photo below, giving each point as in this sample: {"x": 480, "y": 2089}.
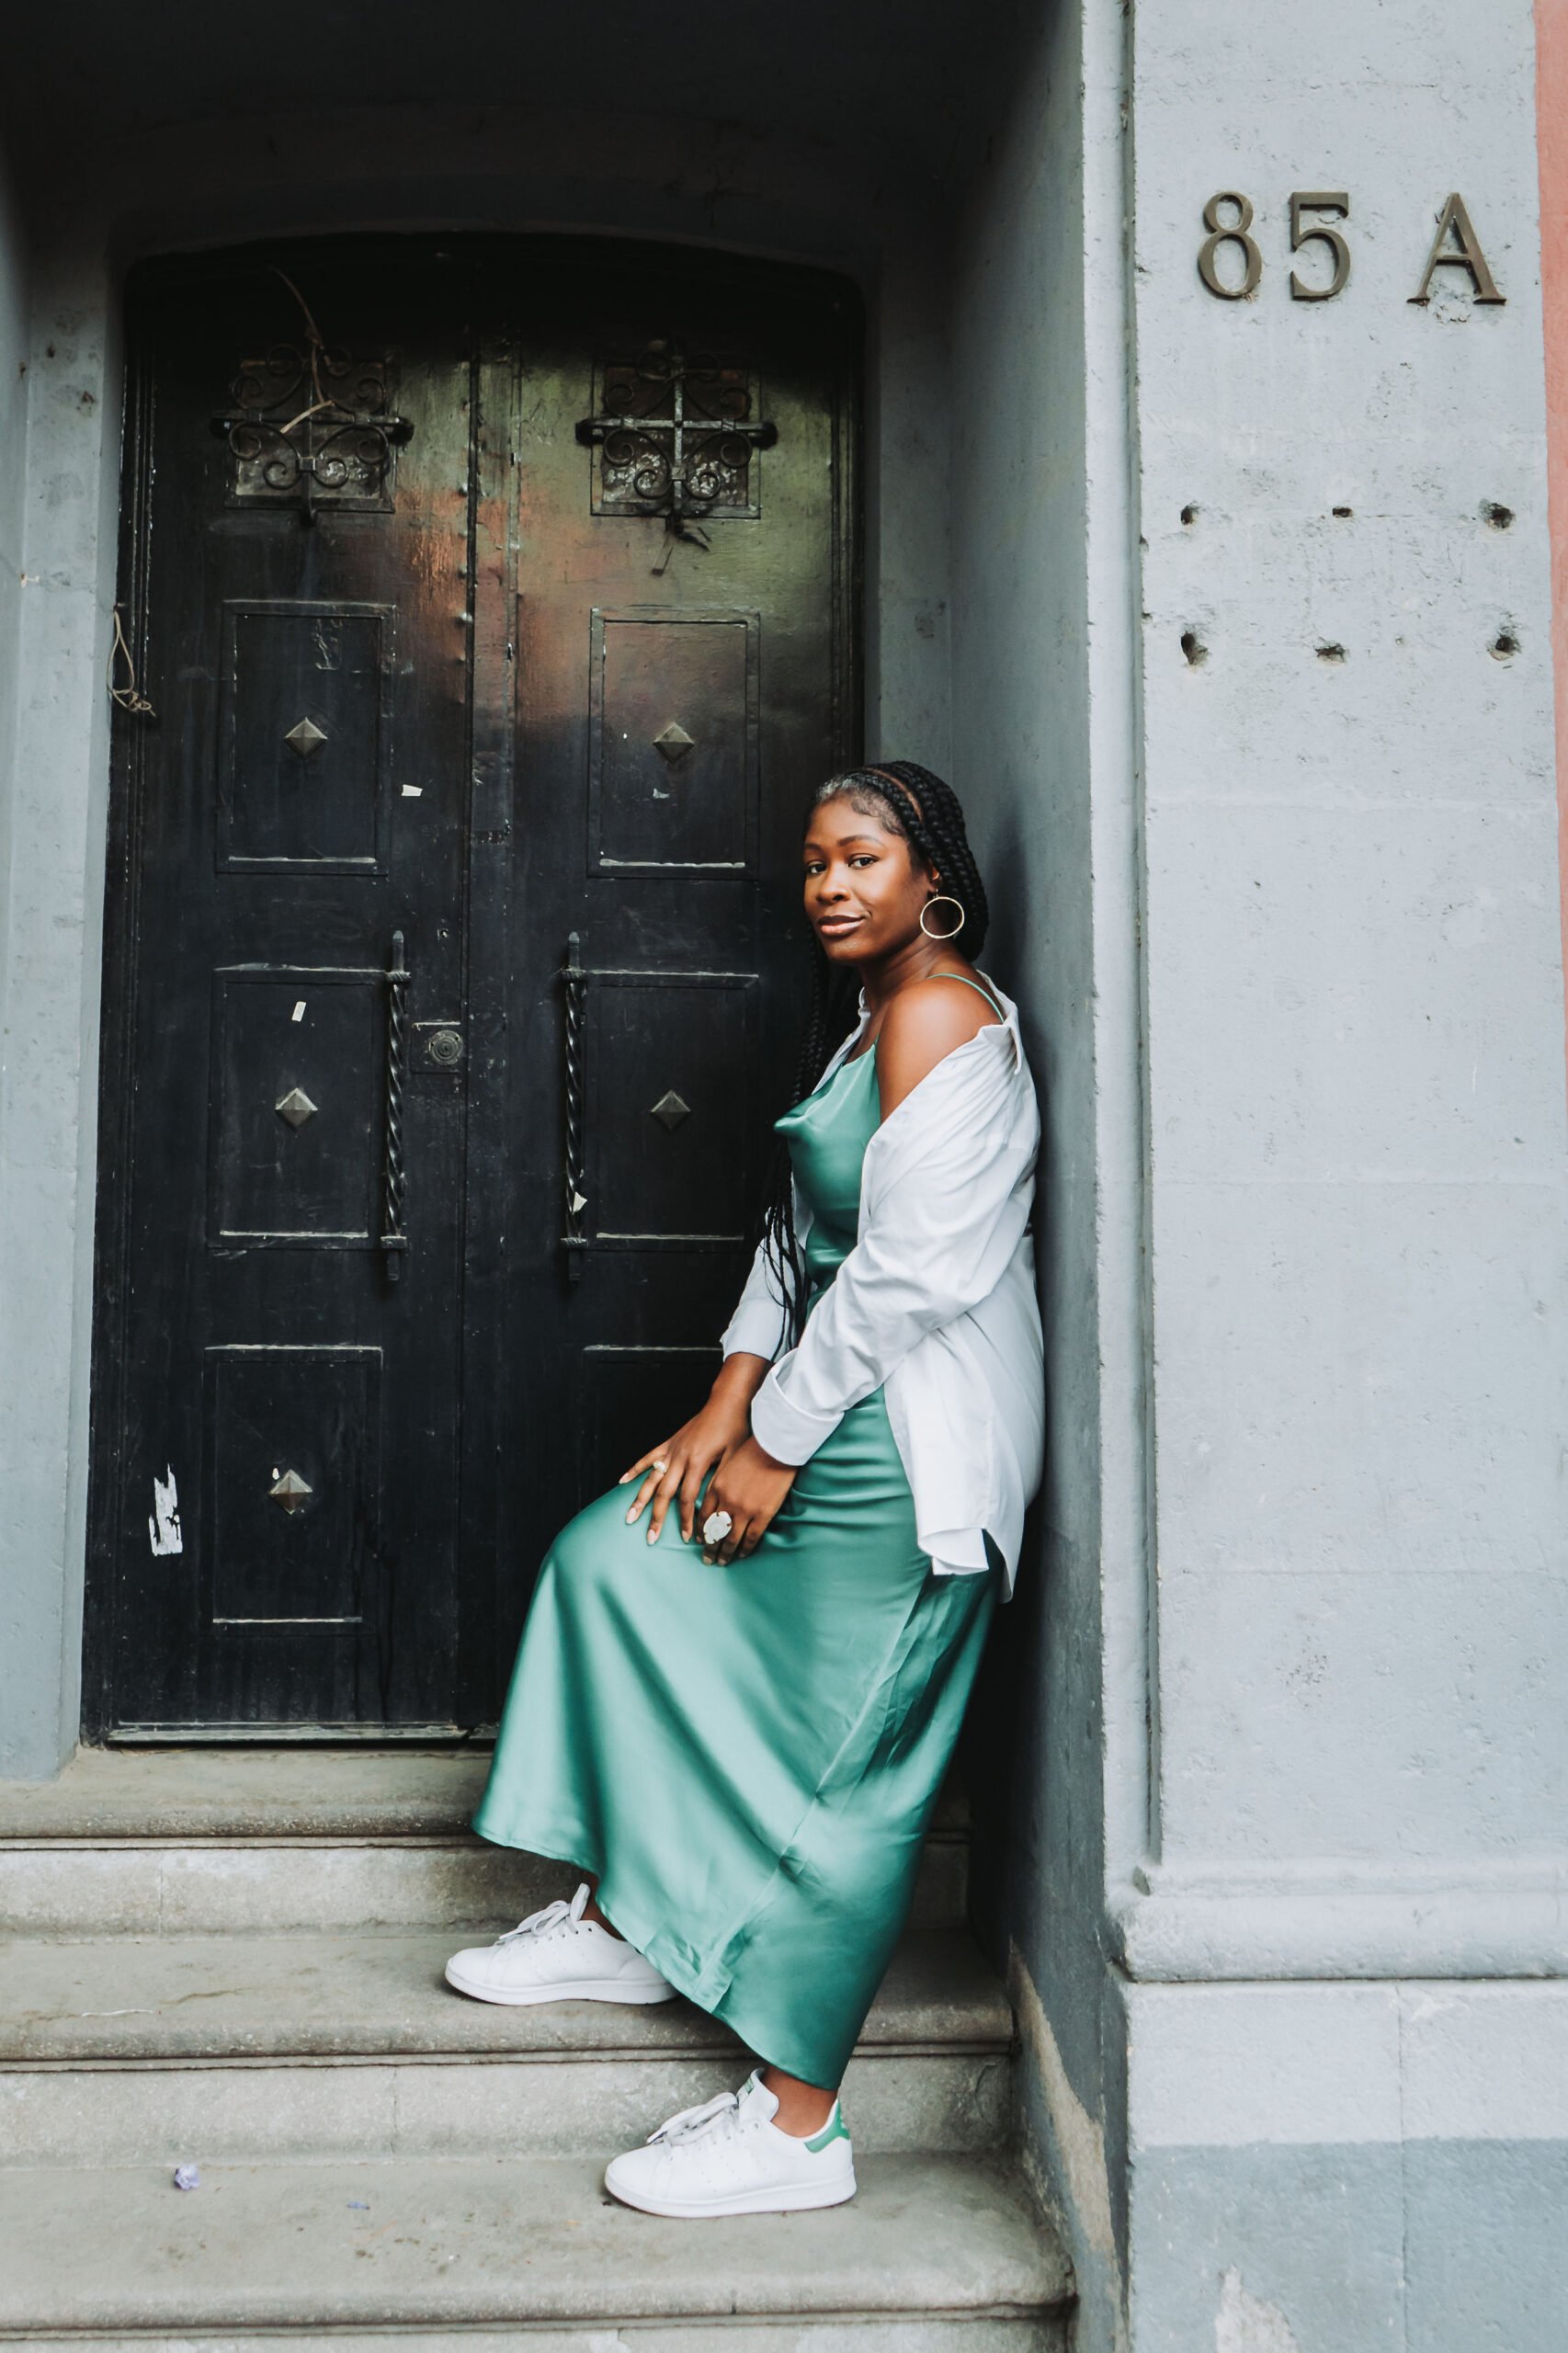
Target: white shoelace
{"x": 692, "y": 2121}
{"x": 538, "y": 1924}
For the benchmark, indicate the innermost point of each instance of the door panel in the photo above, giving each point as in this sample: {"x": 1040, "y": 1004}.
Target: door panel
{"x": 293, "y": 1456}
{"x": 491, "y": 672}
{"x": 659, "y": 797}
{"x": 296, "y": 1097}
{"x": 305, "y": 735}
{"x": 672, "y": 1107}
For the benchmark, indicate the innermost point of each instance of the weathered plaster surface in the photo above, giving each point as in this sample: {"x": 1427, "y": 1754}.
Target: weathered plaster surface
{"x": 1356, "y": 1168}
{"x": 13, "y": 450}
{"x": 1552, "y": 141}
{"x": 1042, "y": 704}
{"x": 1366, "y": 2167}
{"x": 53, "y": 906}
{"x": 1356, "y": 1114}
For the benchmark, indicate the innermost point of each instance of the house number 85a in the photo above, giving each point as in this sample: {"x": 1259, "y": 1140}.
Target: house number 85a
{"x": 1308, "y": 226}
{"x": 1228, "y": 218}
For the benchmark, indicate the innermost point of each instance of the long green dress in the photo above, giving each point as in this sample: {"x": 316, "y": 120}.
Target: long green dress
{"x": 748, "y": 1756}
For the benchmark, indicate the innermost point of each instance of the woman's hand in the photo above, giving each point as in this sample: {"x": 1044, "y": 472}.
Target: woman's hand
{"x": 751, "y": 1486}
{"x": 679, "y": 1466}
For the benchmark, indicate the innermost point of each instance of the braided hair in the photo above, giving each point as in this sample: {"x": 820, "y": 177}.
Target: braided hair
{"x": 915, "y": 804}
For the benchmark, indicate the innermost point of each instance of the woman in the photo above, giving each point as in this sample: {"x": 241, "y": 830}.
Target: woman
{"x": 741, "y": 1748}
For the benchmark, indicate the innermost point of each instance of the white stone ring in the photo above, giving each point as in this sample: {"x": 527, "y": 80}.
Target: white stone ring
{"x": 716, "y": 1527}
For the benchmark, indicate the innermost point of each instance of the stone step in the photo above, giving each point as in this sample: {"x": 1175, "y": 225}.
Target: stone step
{"x": 125, "y": 2051}
{"x": 271, "y": 1792}
{"x": 194, "y": 1841}
{"x": 938, "y": 2254}
{"x": 136, "y": 1887}
{"x": 198, "y": 1792}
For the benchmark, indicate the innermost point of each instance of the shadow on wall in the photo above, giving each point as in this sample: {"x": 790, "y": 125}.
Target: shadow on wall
{"x": 1002, "y": 1730}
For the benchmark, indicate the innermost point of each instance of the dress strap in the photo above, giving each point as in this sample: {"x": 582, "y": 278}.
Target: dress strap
{"x": 970, "y": 984}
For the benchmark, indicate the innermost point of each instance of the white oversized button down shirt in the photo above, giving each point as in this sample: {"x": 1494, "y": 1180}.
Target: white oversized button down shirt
{"x": 935, "y": 1305}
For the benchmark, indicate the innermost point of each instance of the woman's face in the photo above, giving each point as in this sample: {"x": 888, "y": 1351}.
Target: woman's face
{"x": 865, "y": 887}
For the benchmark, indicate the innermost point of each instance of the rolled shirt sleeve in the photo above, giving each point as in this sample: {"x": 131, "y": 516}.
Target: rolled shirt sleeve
{"x": 759, "y": 1325}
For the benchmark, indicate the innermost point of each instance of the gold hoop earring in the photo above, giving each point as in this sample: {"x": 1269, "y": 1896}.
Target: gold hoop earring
{"x": 939, "y": 899}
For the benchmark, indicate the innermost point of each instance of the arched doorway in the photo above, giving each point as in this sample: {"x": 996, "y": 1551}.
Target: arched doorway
{"x": 495, "y": 599}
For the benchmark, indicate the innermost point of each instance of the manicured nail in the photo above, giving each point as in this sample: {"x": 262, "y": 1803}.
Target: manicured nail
{"x": 631, "y": 1516}
{"x": 652, "y": 1535}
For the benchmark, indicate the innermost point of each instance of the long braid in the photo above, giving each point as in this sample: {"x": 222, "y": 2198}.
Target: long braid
{"x": 914, "y": 802}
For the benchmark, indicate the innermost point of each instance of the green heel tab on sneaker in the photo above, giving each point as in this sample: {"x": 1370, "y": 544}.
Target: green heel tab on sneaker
{"x": 833, "y": 2129}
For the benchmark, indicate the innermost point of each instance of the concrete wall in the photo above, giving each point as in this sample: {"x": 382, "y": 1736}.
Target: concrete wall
{"x": 1282, "y": 1700}
{"x": 56, "y": 805}
{"x": 1042, "y": 710}
{"x": 13, "y": 469}
{"x": 15, "y": 1631}
{"x": 1356, "y": 1156}
{"x": 1355, "y": 983}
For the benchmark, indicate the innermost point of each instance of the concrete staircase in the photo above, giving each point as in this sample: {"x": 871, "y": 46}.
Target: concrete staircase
{"x": 232, "y": 1959}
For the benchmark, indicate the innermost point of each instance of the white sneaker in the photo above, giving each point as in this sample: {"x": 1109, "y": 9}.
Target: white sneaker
{"x": 557, "y": 1956}
{"x": 731, "y": 2158}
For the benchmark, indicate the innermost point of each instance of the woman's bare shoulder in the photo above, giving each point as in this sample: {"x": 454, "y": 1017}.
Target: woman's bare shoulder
{"x": 925, "y": 1023}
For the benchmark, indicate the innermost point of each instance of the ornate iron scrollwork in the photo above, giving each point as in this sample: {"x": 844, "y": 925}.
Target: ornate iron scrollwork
{"x": 309, "y": 425}
{"x": 673, "y": 436}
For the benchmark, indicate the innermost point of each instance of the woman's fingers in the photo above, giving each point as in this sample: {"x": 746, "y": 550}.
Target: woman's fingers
{"x": 712, "y": 1503}
{"x": 691, "y": 1493}
{"x": 745, "y": 1537}
{"x": 656, "y": 1467}
{"x": 725, "y": 1549}
{"x": 664, "y": 1494}
{"x": 654, "y": 1454}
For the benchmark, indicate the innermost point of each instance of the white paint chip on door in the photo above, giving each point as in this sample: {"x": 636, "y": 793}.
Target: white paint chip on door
{"x": 164, "y": 1525}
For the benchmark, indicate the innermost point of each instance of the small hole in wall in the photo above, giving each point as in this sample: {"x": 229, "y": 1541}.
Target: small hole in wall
{"x": 1503, "y": 646}
{"x": 1190, "y": 514}
{"x": 1331, "y": 653}
{"x": 1342, "y": 513}
{"x": 1194, "y": 650}
{"x": 1498, "y": 517}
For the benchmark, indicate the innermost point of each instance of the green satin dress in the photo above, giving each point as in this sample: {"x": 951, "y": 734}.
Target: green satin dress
{"x": 748, "y": 1756}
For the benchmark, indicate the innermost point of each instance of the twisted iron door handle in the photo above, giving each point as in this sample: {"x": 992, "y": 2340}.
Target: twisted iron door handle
{"x": 574, "y": 1241}
{"x": 394, "y": 1238}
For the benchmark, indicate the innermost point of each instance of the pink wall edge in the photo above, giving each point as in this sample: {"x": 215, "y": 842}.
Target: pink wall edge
{"x": 1552, "y": 144}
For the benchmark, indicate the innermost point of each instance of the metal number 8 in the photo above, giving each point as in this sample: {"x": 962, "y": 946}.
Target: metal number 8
{"x": 1229, "y": 232}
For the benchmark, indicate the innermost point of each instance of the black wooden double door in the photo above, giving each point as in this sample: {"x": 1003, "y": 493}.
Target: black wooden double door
{"x": 493, "y": 605}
